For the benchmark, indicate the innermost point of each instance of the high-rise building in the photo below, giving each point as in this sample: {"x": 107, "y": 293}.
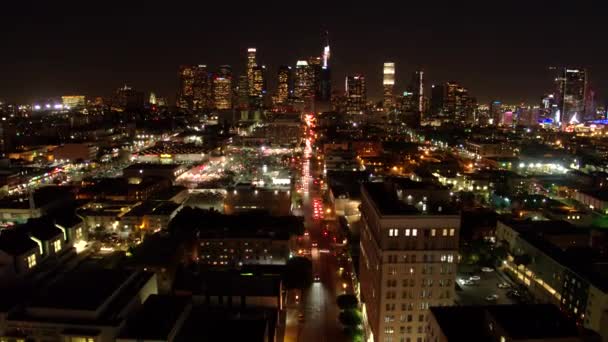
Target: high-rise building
{"x": 356, "y": 94}
{"x": 451, "y": 101}
{"x": 127, "y": 98}
{"x": 251, "y": 64}
{"x": 152, "y": 99}
{"x": 222, "y": 88}
{"x": 202, "y": 93}
{"x": 325, "y": 93}
{"x": 496, "y": 112}
{"x": 242, "y": 92}
{"x": 285, "y": 84}
{"x": 409, "y": 254}
{"x": 572, "y": 88}
{"x": 304, "y": 80}
{"x": 258, "y": 93}
{"x": 388, "y": 83}
{"x": 316, "y": 67}
{"x": 185, "y": 93}
{"x": 417, "y": 87}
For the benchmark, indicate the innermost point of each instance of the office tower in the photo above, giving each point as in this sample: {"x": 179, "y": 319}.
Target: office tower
{"x": 409, "y": 254}
{"x": 356, "y": 94}
{"x": 388, "y": 83}
{"x": 242, "y": 92}
{"x": 496, "y": 112}
{"x": 325, "y": 93}
{"x": 258, "y": 93}
{"x": 127, "y": 98}
{"x": 304, "y": 80}
{"x": 417, "y": 87}
{"x": 457, "y": 104}
{"x": 222, "y": 88}
{"x": 315, "y": 65}
{"x": 284, "y": 88}
{"x": 185, "y": 92}
{"x": 202, "y": 93}
{"x": 251, "y": 64}
{"x": 437, "y": 98}
{"x": 572, "y": 87}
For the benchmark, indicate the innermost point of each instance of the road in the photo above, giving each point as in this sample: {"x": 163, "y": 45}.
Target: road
{"x": 318, "y": 303}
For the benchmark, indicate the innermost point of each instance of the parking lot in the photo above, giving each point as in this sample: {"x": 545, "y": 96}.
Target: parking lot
{"x": 476, "y": 292}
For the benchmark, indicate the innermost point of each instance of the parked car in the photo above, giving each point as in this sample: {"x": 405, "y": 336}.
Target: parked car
{"x": 492, "y": 298}
{"x": 504, "y": 286}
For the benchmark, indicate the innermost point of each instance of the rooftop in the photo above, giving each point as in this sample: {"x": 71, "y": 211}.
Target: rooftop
{"x": 386, "y": 201}
{"x": 150, "y": 166}
{"x": 522, "y": 322}
{"x": 157, "y": 318}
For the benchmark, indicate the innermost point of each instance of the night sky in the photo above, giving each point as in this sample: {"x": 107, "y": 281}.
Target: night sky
{"x": 499, "y": 51}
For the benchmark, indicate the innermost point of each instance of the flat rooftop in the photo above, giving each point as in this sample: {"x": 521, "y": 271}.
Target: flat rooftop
{"x": 520, "y": 322}
{"x": 157, "y": 318}
{"x": 386, "y": 201}
{"x": 81, "y": 289}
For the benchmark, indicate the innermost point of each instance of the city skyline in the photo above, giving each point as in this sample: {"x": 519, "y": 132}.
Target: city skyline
{"x": 493, "y": 60}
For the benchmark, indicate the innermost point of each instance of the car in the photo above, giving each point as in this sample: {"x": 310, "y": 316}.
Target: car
{"x": 514, "y": 294}
{"x": 317, "y": 278}
{"x": 475, "y": 278}
{"x": 492, "y": 298}
{"x": 487, "y": 269}
{"x": 503, "y": 285}
{"x": 315, "y": 244}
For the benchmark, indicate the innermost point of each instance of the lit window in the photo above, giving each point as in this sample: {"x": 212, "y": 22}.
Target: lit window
{"x": 414, "y": 232}
{"x": 444, "y": 232}
{"x": 31, "y": 261}
{"x": 450, "y": 258}
{"x": 452, "y": 231}
{"x": 393, "y": 232}
{"x": 433, "y": 232}
{"x": 407, "y": 232}
{"x": 57, "y": 245}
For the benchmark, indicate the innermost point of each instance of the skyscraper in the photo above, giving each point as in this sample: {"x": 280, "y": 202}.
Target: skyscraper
{"x": 284, "y": 88}
{"x": 451, "y": 101}
{"x": 388, "y": 83}
{"x": 222, "y": 88}
{"x": 185, "y": 92}
{"x": 356, "y": 94}
{"x": 201, "y": 88}
{"x": 325, "y": 91}
{"x": 258, "y": 92}
{"x": 417, "y": 88}
{"x": 409, "y": 254}
{"x": 496, "y": 112}
{"x": 304, "y": 80}
{"x": 251, "y": 63}
{"x": 572, "y": 88}
{"x": 242, "y": 92}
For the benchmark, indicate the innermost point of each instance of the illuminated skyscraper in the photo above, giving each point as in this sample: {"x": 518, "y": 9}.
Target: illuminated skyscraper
{"x": 251, "y": 64}
{"x": 242, "y": 92}
{"x": 152, "y": 100}
{"x": 452, "y": 102}
{"x": 388, "y": 83}
{"x": 356, "y": 94}
{"x": 259, "y": 86}
{"x": 185, "y": 92}
{"x": 417, "y": 88}
{"x": 316, "y": 66}
{"x": 325, "y": 86}
{"x": 304, "y": 80}
{"x": 202, "y": 97}
{"x": 572, "y": 89}
{"x": 222, "y": 88}
{"x": 284, "y": 88}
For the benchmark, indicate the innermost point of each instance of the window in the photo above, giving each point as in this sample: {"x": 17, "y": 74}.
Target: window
{"x": 407, "y": 232}
{"x": 414, "y": 232}
{"x": 57, "y": 245}
{"x": 433, "y": 232}
{"x": 444, "y": 232}
{"x": 450, "y": 258}
{"x": 31, "y": 260}
{"x": 393, "y": 232}
{"x": 452, "y": 231}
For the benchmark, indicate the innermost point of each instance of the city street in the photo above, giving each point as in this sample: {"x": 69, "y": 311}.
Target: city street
{"x": 318, "y": 303}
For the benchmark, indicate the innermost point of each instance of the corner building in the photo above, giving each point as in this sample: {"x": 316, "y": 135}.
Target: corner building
{"x": 409, "y": 249}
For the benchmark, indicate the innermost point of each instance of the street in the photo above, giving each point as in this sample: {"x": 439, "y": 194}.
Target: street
{"x": 318, "y": 302}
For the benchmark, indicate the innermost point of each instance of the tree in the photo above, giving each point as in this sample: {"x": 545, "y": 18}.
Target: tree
{"x": 347, "y": 301}
{"x": 350, "y": 318}
{"x": 298, "y": 273}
